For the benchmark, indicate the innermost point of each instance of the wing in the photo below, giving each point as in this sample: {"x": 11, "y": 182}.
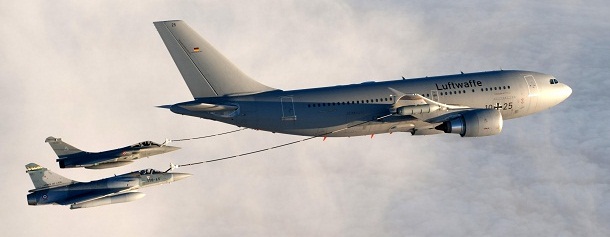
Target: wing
{"x": 404, "y": 99}
{"x": 420, "y": 114}
{"x": 94, "y": 194}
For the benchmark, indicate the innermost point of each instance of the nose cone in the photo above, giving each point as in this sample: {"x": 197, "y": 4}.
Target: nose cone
{"x": 566, "y": 91}
{"x": 552, "y": 95}
{"x": 559, "y": 93}
{"x": 169, "y": 148}
{"x": 179, "y": 176}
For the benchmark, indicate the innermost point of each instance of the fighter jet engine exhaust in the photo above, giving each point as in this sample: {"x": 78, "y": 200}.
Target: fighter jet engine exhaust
{"x": 474, "y": 123}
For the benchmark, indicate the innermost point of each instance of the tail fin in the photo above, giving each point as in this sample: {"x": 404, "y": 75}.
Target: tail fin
{"x": 61, "y": 148}
{"x": 206, "y": 72}
{"x": 44, "y": 178}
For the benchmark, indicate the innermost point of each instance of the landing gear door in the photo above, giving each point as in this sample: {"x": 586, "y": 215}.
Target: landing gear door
{"x": 288, "y": 113}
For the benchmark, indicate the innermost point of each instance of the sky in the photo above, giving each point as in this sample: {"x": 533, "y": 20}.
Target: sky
{"x": 92, "y": 74}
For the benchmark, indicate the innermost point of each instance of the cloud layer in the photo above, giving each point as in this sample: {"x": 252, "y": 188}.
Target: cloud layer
{"x": 92, "y": 74}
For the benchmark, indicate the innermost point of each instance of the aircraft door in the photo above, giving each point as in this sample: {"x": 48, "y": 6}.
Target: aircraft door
{"x": 434, "y": 95}
{"x": 288, "y": 113}
{"x": 533, "y": 92}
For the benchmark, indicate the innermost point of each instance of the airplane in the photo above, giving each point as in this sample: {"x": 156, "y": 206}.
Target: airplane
{"x": 51, "y": 188}
{"x": 468, "y": 104}
{"x": 72, "y": 157}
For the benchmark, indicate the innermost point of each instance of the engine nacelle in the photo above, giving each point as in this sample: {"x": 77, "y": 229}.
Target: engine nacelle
{"x": 475, "y": 123}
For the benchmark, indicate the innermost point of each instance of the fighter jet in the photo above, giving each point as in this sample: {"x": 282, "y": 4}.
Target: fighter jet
{"x": 72, "y": 157}
{"x": 468, "y": 104}
{"x": 51, "y": 188}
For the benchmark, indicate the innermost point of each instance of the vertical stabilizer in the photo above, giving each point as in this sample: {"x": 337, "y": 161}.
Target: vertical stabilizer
{"x": 207, "y": 73}
{"x": 61, "y": 148}
{"x": 44, "y": 178}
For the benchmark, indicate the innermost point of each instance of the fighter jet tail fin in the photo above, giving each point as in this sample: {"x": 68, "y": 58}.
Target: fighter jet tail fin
{"x": 207, "y": 73}
{"x": 61, "y": 148}
{"x": 44, "y": 178}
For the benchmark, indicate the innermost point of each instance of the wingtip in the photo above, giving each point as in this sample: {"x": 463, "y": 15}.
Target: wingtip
{"x": 52, "y": 139}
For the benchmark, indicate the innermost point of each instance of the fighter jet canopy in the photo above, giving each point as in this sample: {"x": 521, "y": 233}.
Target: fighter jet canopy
{"x": 150, "y": 171}
{"x": 146, "y": 144}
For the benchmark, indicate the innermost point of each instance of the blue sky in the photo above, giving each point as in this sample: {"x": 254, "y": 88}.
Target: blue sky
{"x": 92, "y": 74}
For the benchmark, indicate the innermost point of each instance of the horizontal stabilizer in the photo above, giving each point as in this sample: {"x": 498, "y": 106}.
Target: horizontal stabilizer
{"x": 203, "y": 107}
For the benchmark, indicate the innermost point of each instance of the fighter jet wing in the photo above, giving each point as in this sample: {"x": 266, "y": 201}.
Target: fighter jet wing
{"x": 92, "y": 195}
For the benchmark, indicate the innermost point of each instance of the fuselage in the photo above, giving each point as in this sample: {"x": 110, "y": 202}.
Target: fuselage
{"x": 347, "y": 108}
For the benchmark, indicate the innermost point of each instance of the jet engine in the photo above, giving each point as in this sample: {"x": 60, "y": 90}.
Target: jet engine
{"x": 474, "y": 123}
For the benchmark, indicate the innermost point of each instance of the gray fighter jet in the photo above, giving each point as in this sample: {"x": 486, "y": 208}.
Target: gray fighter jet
{"x": 51, "y": 188}
{"x": 72, "y": 157}
{"x": 469, "y": 104}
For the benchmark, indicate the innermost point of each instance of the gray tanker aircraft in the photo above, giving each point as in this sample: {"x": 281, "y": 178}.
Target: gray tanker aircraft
{"x": 469, "y": 104}
{"x": 71, "y": 157}
{"x": 51, "y": 188}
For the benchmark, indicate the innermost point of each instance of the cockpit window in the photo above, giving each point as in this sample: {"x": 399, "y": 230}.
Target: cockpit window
{"x": 145, "y": 144}
{"x": 553, "y": 81}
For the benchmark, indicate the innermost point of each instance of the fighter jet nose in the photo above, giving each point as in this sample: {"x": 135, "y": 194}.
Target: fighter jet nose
{"x": 179, "y": 176}
{"x": 170, "y": 148}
